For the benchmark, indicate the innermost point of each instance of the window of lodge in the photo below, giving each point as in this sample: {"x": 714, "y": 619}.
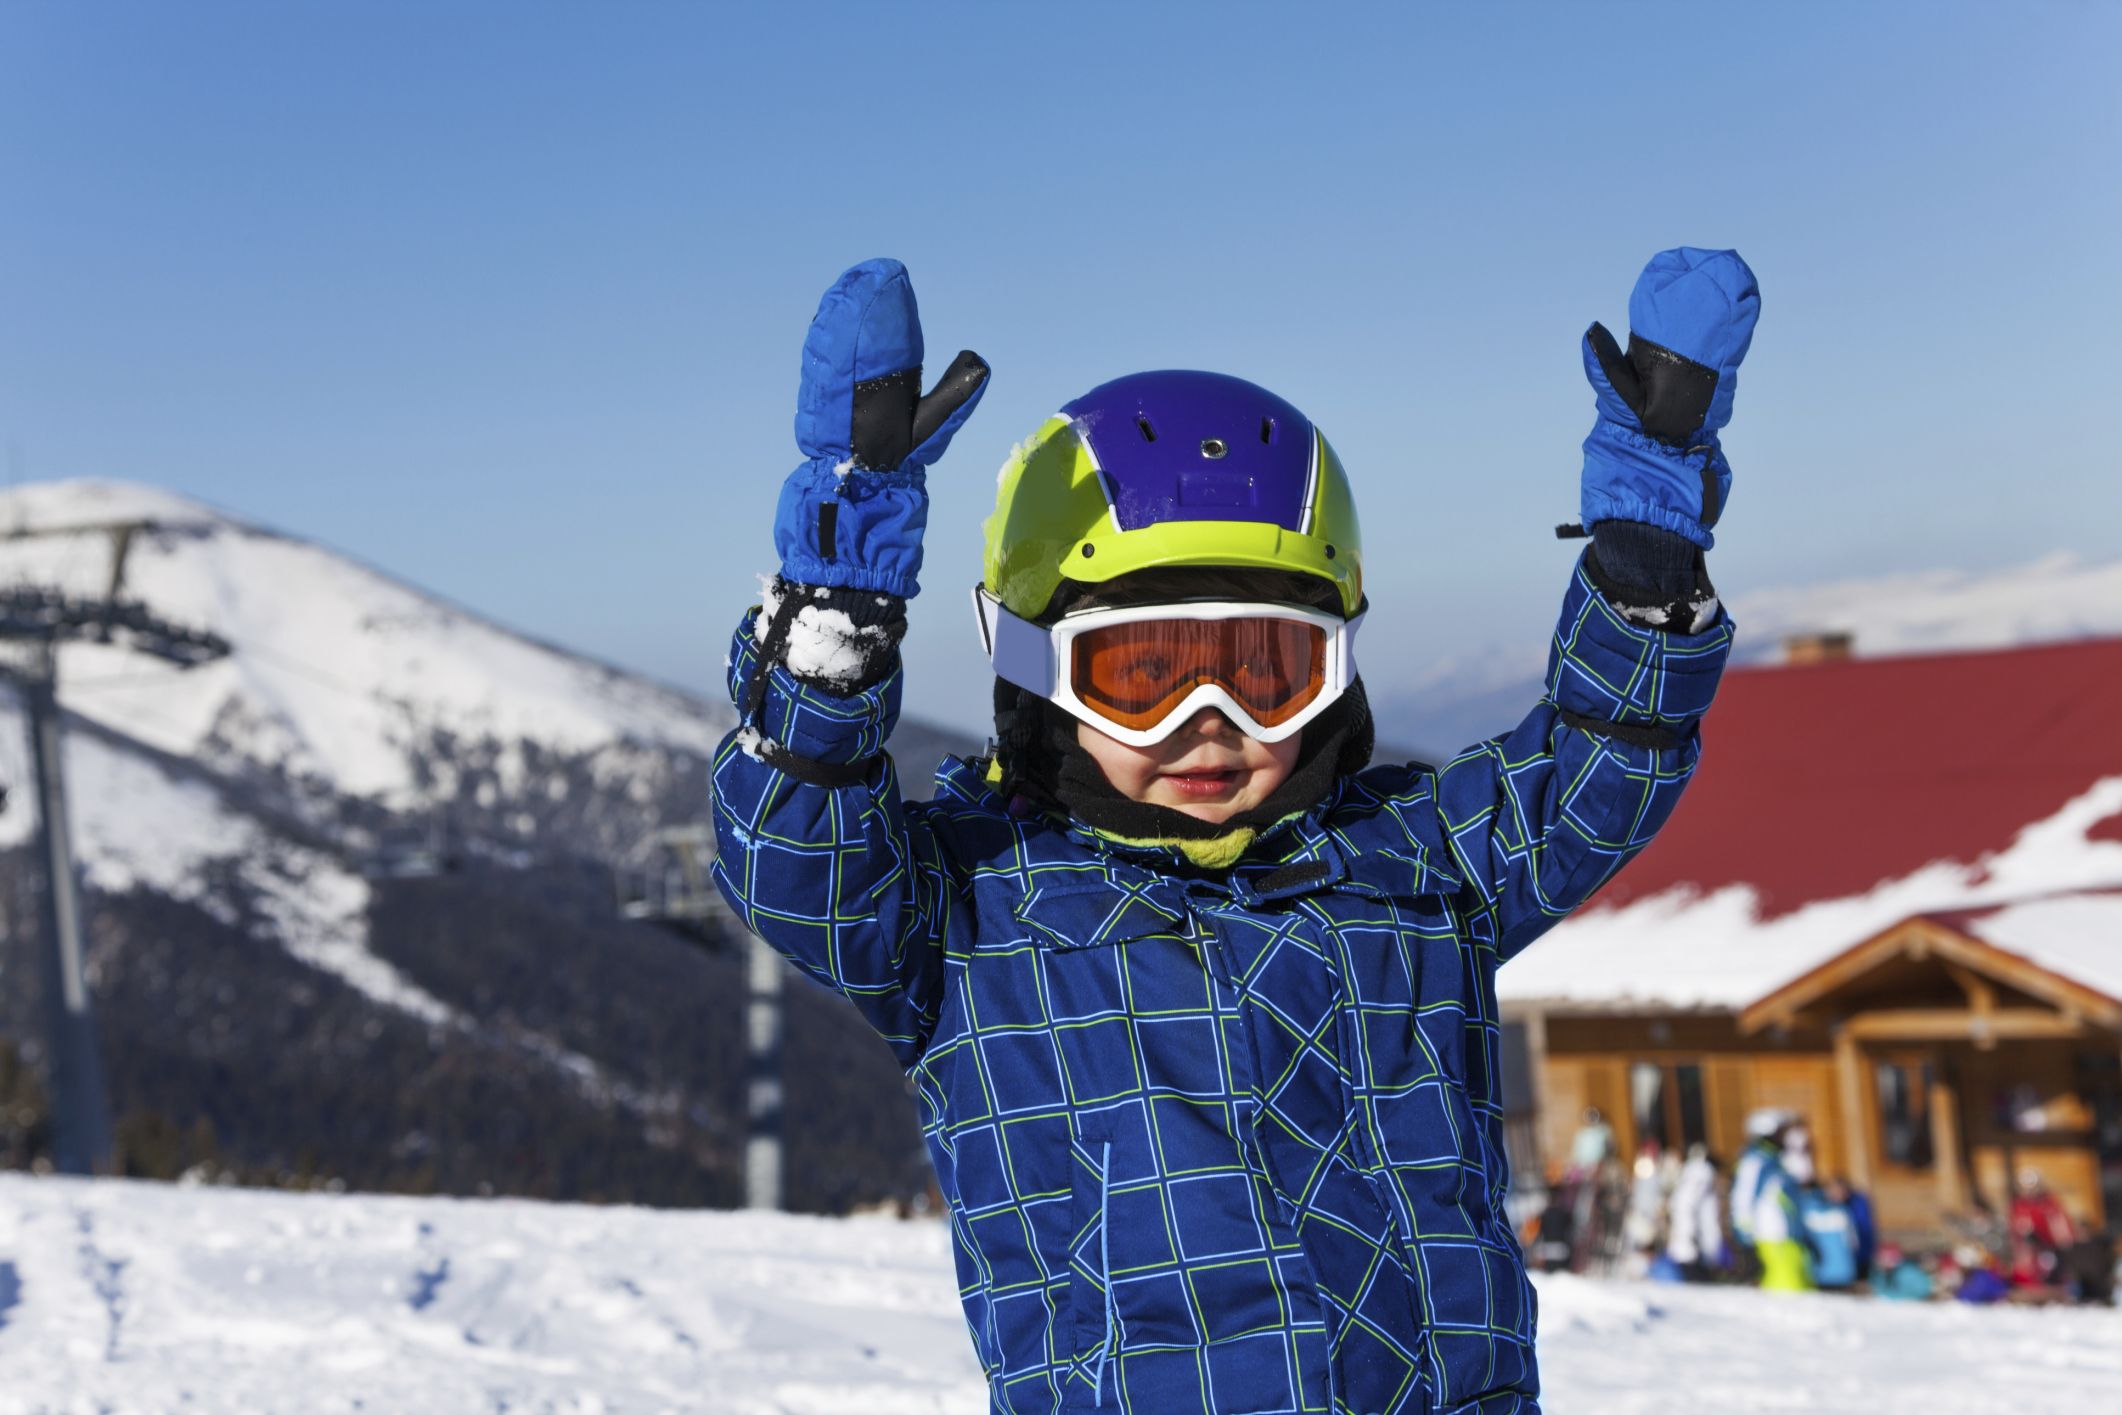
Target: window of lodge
{"x": 1903, "y": 1090}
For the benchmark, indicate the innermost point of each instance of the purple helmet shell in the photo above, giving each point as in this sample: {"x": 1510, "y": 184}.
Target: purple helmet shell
{"x": 1182, "y": 445}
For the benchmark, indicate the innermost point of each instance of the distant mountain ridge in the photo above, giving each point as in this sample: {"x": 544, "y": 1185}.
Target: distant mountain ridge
{"x": 261, "y": 961}
{"x": 2055, "y": 598}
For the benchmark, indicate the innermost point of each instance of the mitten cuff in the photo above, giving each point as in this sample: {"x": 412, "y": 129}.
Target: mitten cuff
{"x": 840, "y": 640}
{"x": 1615, "y": 674}
{"x": 1630, "y": 476}
{"x": 1653, "y": 577}
{"x": 784, "y": 719}
{"x": 852, "y": 530}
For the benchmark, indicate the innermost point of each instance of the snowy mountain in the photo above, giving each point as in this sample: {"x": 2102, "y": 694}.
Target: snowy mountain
{"x": 345, "y": 684}
{"x": 2058, "y": 597}
{"x": 135, "y": 1297}
{"x": 351, "y": 887}
{"x": 2055, "y": 598}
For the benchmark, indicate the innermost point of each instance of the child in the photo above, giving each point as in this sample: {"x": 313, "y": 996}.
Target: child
{"x": 1199, "y": 1007}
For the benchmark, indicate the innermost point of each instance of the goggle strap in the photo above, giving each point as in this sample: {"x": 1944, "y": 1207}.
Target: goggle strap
{"x": 1022, "y": 652}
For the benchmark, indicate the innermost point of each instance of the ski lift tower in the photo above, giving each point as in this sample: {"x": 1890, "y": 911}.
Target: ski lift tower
{"x": 42, "y": 619}
{"x": 673, "y": 889}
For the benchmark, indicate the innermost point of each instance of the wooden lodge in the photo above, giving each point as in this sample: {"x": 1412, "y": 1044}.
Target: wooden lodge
{"x": 1891, "y": 903}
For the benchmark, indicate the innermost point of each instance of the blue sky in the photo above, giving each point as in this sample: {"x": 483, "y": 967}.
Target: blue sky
{"x": 508, "y": 298}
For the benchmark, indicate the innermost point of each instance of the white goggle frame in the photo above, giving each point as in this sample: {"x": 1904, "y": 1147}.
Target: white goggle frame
{"x": 1035, "y": 657}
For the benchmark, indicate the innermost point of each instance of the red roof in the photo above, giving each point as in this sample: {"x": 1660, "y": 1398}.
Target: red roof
{"x": 1819, "y": 781}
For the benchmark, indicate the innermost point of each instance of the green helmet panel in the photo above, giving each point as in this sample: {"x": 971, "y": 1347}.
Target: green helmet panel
{"x": 1053, "y": 521}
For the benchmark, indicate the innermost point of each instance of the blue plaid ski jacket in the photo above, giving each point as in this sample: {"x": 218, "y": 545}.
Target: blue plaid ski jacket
{"x": 1220, "y": 1145}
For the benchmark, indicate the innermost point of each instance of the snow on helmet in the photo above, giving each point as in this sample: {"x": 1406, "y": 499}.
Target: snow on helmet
{"x": 1171, "y": 469}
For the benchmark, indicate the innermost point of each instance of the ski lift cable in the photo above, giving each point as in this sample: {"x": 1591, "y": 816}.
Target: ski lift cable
{"x": 319, "y": 676}
{"x": 76, "y": 682}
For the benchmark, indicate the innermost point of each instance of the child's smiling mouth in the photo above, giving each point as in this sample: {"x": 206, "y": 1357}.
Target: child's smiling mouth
{"x": 1206, "y": 783}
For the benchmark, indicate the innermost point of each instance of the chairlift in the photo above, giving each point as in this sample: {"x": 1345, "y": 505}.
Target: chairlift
{"x": 411, "y": 850}
{"x": 665, "y": 881}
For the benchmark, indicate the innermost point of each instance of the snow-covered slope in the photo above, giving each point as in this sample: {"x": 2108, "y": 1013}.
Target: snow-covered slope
{"x": 350, "y": 890}
{"x": 345, "y": 687}
{"x": 138, "y": 1298}
{"x": 143, "y": 824}
{"x": 341, "y": 675}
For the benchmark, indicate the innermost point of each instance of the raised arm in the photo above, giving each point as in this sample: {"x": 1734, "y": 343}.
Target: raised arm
{"x": 1543, "y": 816}
{"x": 818, "y": 852}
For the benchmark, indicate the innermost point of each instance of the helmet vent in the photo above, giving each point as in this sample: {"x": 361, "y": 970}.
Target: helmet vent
{"x": 1149, "y": 434}
{"x": 1214, "y": 448}
{"x": 1267, "y": 431}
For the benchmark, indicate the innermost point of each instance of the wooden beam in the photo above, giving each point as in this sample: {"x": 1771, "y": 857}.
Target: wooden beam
{"x": 2030, "y": 978}
{"x": 1849, "y": 1080}
{"x": 1844, "y": 968}
{"x": 1950, "y": 1024}
{"x": 1945, "y": 1143}
{"x": 1981, "y": 965}
{"x": 1535, "y": 1020}
{"x": 1981, "y": 994}
{"x": 1981, "y": 1000}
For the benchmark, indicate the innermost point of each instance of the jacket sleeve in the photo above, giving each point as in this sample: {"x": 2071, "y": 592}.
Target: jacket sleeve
{"x": 1541, "y": 817}
{"x": 817, "y": 852}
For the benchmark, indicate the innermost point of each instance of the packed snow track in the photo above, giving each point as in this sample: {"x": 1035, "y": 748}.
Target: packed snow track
{"x": 127, "y": 1297}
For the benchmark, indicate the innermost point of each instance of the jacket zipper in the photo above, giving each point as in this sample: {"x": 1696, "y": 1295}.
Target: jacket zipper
{"x": 1105, "y": 1266}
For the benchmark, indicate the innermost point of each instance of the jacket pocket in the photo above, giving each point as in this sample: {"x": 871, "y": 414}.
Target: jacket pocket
{"x": 1099, "y": 909}
{"x": 1094, "y": 1312}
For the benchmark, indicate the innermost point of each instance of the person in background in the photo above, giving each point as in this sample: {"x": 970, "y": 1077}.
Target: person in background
{"x": 1695, "y": 1237}
{"x": 1598, "y": 1189}
{"x": 1861, "y": 1221}
{"x": 1898, "y": 1277}
{"x": 1778, "y": 1228}
{"x": 2090, "y": 1268}
{"x": 2041, "y": 1233}
{"x": 1971, "y": 1273}
{"x": 1762, "y": 1127}
{"x": 1554, "y": 1241}
{"x": 1830, "y": 1234}
{"x": 1593, "y": 1143}
{"x": 1646, "y": 1218}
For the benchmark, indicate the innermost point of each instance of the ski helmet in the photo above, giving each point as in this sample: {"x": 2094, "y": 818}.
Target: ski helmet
{"x": 1173, "y": 469}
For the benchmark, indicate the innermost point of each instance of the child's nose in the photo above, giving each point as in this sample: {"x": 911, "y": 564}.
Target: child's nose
{"x": 1210, "y": 722}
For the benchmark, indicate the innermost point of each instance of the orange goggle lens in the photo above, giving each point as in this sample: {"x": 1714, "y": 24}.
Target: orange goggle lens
{"x": 1137, "y": 674}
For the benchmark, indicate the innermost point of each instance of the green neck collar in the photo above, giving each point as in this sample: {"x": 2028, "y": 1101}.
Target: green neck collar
{"x": 1217, "y": 852}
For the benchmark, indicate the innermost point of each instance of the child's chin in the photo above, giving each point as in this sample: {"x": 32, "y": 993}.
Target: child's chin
{"x": 1213, "y": 812}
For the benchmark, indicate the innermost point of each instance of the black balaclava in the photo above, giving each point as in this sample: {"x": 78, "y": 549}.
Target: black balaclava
{"x": 1042, "y": 761}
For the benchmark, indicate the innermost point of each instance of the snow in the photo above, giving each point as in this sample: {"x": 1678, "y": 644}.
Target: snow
{"x": 338, "y": 670}
{"x": 2077, "y": 935}
{"x": 136, "y": 826}
{"x": 1687, "y": 949}
{"x": 131, "y": 1297}
{"x": 2055, "y": 598}
{"x": 823, "y": 646}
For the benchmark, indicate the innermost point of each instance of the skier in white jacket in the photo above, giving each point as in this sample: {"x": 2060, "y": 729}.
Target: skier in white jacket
{"x": 1779, "y": 1232}
{"x": 1696, "y": 1238}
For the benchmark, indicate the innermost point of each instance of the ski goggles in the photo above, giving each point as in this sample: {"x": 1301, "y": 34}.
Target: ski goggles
{"x": 1138, "y": 674}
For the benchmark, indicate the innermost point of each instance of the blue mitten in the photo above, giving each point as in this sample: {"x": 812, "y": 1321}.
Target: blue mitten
{"x": 851, "y": 517}
{"x": 1653, "y": 455}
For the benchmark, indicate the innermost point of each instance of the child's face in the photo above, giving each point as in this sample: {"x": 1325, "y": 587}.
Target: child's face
{"x": 1208, "y": 769}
